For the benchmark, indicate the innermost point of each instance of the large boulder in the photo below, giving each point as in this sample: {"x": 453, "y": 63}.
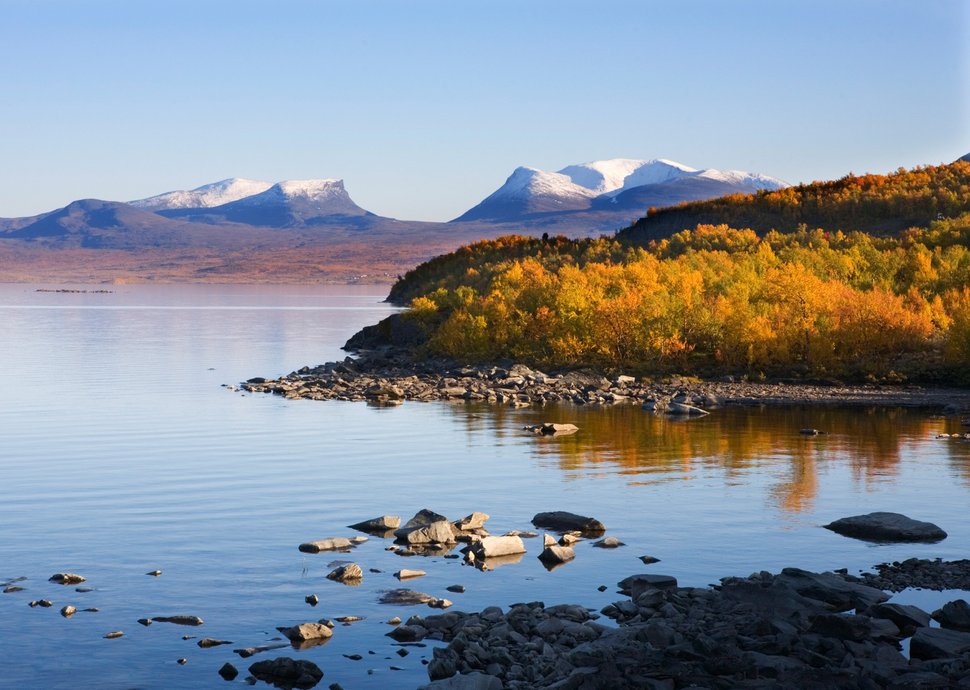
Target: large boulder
{"x": 936, "y": 643}
{"x": 887, "y": 527}
{"x": 491, "y": 547}
{"x": 287, "y": 673}
{"x": 563, "y": 521}
{"x": 831, "y": 589}
{"x": 328, "y": 544}
{"x": 440, "y": 532}
{"x": 954, "y": 615}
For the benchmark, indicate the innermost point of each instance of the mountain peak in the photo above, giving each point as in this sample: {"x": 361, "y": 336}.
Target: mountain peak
{"x": 206, "y": 196}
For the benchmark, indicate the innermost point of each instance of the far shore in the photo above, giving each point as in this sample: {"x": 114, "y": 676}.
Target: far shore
{"x": 393, "y": 378}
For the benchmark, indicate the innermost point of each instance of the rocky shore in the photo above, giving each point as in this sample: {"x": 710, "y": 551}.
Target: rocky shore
{"x": 391, "y": 378}
{"x": 795, "y": 629}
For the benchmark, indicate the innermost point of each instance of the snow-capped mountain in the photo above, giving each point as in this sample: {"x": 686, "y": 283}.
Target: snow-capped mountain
{"x": 284, "y": 204}
{"x": 206, "y": 196}
{"x": 598, "y": 185}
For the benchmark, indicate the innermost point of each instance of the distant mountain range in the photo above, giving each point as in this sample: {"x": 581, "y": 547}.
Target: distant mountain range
{"x": 240, "y": 217}
{"x": 620, "y": 185}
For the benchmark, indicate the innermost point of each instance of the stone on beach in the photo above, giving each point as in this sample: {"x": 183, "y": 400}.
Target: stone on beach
{"x": 328, "y": 544}
{"x": 887, "y": 527}
{"x": 563, "y": 521}
{"x": 284, "y": 672}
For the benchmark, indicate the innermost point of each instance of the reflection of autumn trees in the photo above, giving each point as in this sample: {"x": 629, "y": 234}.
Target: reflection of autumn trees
{"x": 733, "y": 443}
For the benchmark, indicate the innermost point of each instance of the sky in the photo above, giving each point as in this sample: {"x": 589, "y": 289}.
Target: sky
{"x": 424, "y": 107}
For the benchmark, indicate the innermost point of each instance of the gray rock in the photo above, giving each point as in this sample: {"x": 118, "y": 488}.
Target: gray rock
{"x": 405, "y": 597}
{"x": 350, "y": 573}
{"x": 954, "y": 615}
{"x": 831, "y": 589}
{"x": 306, "y": 631}
{"x": 328, "y": 544}
{"x": 608, "y": 543}
{"x": 405, "y": 574}
{"x": 553, "y": 429}
{"x": 563, "y": 521}
{"x": 284, "y": 672}
{"x": 887, "y": 527}
{"x": 647, "y": 560}
{"x": 438, "y": 532}
{"x": 682, "y": 409}
{"x": 937, "y": 643}
{"x": 381, "y": 524}
{"x": 408, "y": 633}
{"x": 207, "y": 642}
{"x": 113, "y": 635}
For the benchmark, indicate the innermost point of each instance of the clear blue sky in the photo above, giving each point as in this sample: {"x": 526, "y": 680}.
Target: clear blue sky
{"x": 424, "y": 106}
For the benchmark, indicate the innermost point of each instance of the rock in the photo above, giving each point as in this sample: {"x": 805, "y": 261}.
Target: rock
{"x": 247, "y": 652}
{"x": 408, "y": 633}
{"x": 569, "y": 538}
{"x": 955, "y": 615}
{"x": 564, "y": 521}
{"x": 178, "y": 620}
{"x": 557, "y": 554}
{"x": 647, "y": 560}
{"x": 381, "y": 524}
{"x": 405, "y": 597}
{"x": 831, "y": 589}
{"x": 114, "y": 634}
{"x": 154, "y": 573}
{"x": 312, "y": 599}
{"x": 306, "y": 631}
{"x": 809, "y": 432}
{"x": 476, "y": 520}
{"x": 887, "y": 527}
{"x": 43, "y": 603}
{"x": 634, "y": 585}
{"x": 68, "y": 611}
{"x": 457, "y": 589}
{"x": 347, "y": 620}
{"x": 908, "y": 618}
{"x": 182, "y": 661}
{"x": 10, "y": 589}
{"x": 347, "y": 574}
{"x": 145, "y": 621}
{"x": 438, "y": 532}
{"x": 491, "y": 547}
{"x": 329, "y": 544}
{"x": 284, "y": 672}
{"x": 228, "y": 671}
{"x": 207, "y": 642}
{"x": 938, "y": 643}
{"x": 470, "y": 681}
{"x": 682, "y": 409}
{"x": 405, "y": 574}
{"x": 608, "y": 543}
{"x": 440, "y": 603}
{"x": 396, "y": 620}
{"x": 423, "y": 518}
{"x": 548, "y": 540}
{"x": 551, "y": 429}
{"x": 67, "y": 578}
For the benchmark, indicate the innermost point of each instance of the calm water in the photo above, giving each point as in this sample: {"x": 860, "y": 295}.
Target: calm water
{"x": 122, "y": 453}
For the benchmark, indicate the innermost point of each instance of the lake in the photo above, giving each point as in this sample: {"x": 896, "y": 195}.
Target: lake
{"x": 124, "y": 452}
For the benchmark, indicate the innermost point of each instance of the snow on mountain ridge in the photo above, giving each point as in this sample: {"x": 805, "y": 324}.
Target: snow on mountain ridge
{"x": 612, "y": 176}
{"x": 206, "y": 196}
{"x": 526, "y": 182}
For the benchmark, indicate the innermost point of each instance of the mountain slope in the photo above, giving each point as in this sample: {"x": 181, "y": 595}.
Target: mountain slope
{"x": 529, "y": 191}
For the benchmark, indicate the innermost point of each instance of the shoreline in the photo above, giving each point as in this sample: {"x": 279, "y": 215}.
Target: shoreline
{"x": 392, "y": 379}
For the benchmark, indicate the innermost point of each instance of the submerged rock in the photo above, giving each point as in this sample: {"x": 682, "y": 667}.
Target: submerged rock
{"x": 178, "y": 620}
{"x": 287, "y": 673}
{"x": 887, "y": 527}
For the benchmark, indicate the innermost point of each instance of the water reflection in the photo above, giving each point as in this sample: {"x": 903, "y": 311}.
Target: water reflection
{"x": 732, "y": 442}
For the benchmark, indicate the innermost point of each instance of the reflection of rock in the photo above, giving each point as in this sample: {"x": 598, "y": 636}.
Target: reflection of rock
{"x": 498, "y": 561}
{"x": 887, "y": 527}
{"x": 287, "y": 673}
{"x": 563, "y": 521}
